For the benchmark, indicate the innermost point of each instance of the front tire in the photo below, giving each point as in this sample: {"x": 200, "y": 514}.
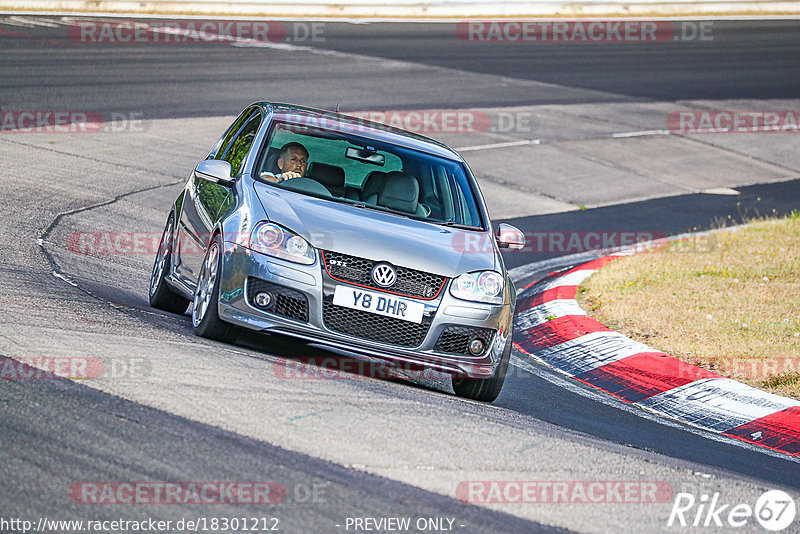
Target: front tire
{"x": 485, "y": 389}
{"x": 161, "y": 296}
{"x": 205, "y": 312}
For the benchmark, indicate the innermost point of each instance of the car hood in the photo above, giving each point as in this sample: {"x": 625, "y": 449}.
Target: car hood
{"x": 379, "y": 236}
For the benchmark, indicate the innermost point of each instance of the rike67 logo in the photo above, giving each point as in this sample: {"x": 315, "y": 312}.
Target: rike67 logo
{"x": 774, "y": 510}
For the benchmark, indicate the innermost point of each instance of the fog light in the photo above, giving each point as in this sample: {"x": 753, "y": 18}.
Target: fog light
{"x": 476, "y": 347}
{"x": 263, "y": 299}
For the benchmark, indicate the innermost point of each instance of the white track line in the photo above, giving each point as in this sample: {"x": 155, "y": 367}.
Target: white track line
{"x": 499, "y": 145}
{"x": 643, "y": 133}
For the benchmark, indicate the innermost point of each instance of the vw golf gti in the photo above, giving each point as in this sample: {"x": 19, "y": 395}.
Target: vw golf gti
{"x": 345, "y": 233}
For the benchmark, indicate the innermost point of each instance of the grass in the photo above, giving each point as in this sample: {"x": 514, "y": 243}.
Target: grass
{"x": 728, "y": 302}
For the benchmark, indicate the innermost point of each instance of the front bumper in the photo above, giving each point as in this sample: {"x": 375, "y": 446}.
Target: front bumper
{"x": 240, "y": 263}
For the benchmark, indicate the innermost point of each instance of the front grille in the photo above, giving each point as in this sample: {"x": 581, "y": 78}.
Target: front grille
{"x": 410, "y": 282}
{"x": 455, "y": 339}
{"x": 285, "y": 302}
{"x": 372, "y": 326}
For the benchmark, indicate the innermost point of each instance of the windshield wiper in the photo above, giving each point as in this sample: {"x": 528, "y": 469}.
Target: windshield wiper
{"x": 454, "y": 224}
{"x": 372, "y": 207}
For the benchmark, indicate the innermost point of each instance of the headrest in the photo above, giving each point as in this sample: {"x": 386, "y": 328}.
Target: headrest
{"x": 400, "y": 192}
{"x": 271, "y": 161}
{"x": 331, "y": 176}
{"x": 372, "y": 184}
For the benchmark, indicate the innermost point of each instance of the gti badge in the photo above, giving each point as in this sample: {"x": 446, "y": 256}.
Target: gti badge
{"x": 384, "y": 275}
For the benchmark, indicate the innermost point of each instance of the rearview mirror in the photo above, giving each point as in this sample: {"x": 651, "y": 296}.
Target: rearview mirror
{"x": 366, "y": 155}
{"x": 214, "y": 170}
{"x": 509, "y": 237}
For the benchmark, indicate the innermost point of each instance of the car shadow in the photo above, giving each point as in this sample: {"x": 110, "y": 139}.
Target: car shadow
{"x": 302, "y": 360}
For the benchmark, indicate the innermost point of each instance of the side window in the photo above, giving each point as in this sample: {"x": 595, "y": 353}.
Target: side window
{"x": 240, "y": 146}
{"x": 222, "y": 144}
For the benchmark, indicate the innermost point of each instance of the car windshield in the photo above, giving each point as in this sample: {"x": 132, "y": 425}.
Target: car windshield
{"x": 346, "y": 168}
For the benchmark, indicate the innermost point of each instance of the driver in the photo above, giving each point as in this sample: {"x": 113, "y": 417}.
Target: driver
{"x": 292, "y": 161}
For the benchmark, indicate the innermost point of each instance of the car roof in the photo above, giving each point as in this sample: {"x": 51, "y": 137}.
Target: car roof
{"x": 331, "y": 120}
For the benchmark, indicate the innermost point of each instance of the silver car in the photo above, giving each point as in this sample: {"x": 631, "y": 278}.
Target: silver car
{"x": 380, "y": 245}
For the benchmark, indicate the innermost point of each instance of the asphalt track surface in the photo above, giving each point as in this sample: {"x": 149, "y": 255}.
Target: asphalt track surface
{"x": 745, "y": 60}
{"x": 378, "y": 447}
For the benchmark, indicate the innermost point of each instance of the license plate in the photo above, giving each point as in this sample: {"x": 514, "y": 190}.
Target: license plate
{"x": 378, "y": 303}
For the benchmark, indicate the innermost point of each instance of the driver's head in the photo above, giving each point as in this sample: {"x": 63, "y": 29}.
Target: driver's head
{"x": 293, "y": 158}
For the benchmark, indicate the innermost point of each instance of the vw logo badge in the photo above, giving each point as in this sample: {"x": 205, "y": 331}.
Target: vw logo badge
{"x": 383, "y": 275}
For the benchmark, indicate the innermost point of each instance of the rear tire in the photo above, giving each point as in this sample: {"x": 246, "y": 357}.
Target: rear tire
{"x": 205, "y": 312}
{"x": 161, "y": 295}
{"x": 485, "y": 389}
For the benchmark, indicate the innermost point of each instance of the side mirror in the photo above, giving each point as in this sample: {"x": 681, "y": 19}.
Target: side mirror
{"x": 214, "y": 170}
{"x": 509, "y": 237}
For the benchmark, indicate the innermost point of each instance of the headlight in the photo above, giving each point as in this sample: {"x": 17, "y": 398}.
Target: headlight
{"x": 271, "y": 239}
{"x": 480, "y": 286}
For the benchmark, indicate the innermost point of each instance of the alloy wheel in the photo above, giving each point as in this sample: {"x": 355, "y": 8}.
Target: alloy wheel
{"x": 205, "y": 284}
